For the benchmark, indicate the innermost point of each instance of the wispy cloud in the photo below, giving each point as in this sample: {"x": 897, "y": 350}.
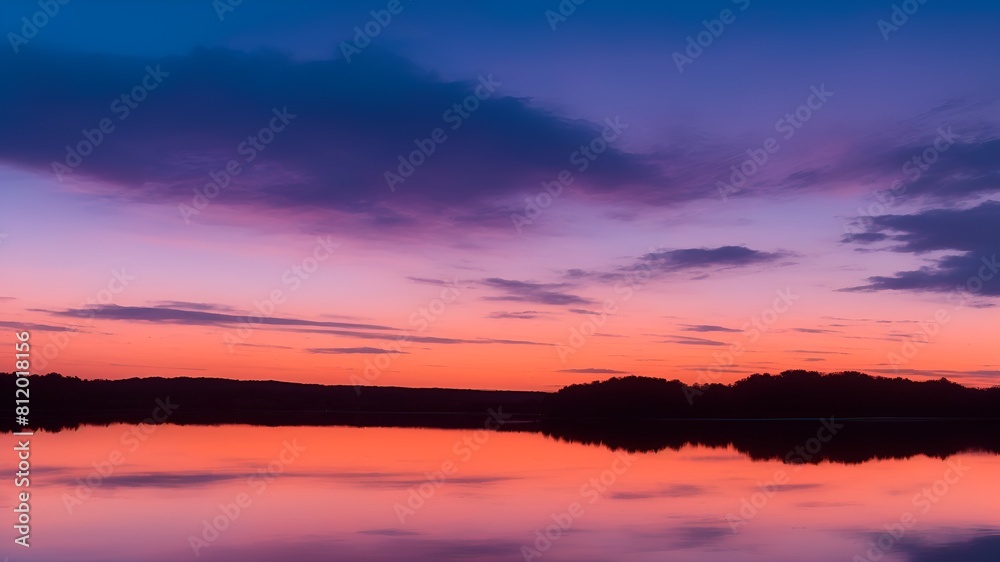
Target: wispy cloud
{"x": 721, "y": 257}
{"x": 701, "y": 261}
{"x": 351, "y": 350}
{"x": 193, "y": 317}
{"x": 262, "y": 346}
{"x": 687, "y": 340}
{"x": 539, "y": 293}
{"x": 706, "y": 328}
{"x": 187, "y": 305}
{"x": 35, "y": 327}
{"x": 522, "y": 315}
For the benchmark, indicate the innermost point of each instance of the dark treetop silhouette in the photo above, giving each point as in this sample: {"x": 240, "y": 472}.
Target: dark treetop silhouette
{"x": 764, "y": 416}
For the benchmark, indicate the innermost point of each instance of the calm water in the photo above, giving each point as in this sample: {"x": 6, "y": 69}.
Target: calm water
{"x": 380, "y": 494}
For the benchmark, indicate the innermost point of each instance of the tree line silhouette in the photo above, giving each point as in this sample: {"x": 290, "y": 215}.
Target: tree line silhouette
{"x": 791, "y": 394}
{"x": 763, "y": 416}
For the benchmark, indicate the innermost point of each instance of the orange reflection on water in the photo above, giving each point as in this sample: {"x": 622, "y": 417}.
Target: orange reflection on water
{"x": 430, "y": 494}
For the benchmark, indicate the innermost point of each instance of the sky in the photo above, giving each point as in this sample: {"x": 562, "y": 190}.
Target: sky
{"x": 510, "y": 195}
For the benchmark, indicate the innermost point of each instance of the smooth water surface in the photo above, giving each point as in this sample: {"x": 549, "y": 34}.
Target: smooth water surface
{"x": 380, "y": 494}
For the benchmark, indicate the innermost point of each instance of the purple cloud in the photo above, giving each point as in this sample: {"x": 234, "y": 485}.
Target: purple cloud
{"x": 973, "y": 235}
{"x": 539, "y": 293}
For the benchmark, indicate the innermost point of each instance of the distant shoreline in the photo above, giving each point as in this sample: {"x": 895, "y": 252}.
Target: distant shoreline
{"x": 763, "y": 416}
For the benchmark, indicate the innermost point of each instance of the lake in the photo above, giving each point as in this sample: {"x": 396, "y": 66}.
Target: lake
{"x": 249, "y": 493}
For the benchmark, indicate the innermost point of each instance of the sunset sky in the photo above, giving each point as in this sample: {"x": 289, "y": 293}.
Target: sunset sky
{"x": 492, "y": 196}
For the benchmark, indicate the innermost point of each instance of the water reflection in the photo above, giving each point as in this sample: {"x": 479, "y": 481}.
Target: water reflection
{"x": 338, "y": 500}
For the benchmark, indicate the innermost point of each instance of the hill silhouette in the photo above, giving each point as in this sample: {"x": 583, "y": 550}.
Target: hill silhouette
{"x": 763, "y": 416}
